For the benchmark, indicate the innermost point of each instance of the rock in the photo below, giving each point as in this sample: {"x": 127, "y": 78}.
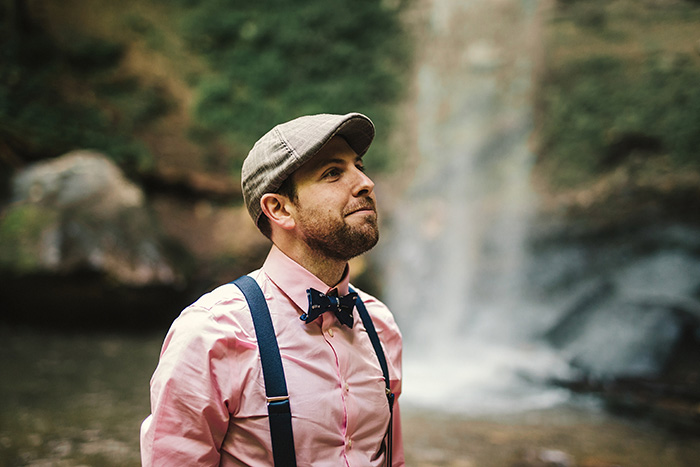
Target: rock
{"x": 81, "y": 180}
{"x": 605, "y": 346}
{"x": 79, "y": 212}
{"x": 629, "y": 324}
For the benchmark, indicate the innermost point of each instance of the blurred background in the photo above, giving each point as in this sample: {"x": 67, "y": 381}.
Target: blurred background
{"x": 538, "y": 174}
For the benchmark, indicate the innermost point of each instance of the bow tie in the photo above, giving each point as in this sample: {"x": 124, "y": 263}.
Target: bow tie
{"x": 320, "y": 303}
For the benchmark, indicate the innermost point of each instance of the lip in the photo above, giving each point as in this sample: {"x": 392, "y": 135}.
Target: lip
{"x": 364, "y": 206}
{"x": 363, "y": 210}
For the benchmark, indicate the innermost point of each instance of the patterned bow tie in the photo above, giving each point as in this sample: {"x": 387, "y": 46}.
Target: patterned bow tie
{"x": 320, "y": 303}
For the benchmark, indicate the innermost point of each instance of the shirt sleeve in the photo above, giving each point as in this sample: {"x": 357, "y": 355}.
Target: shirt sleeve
{"x": 189, "y": 414}
{"x": 393, "y": 349}
{"x": 397, "y": 458}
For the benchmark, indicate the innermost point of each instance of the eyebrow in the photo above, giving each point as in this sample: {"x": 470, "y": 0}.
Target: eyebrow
{"x": 336, "y": 160}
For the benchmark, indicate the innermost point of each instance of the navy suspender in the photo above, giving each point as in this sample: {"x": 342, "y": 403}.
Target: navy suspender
{"x": 275, "y": 384}
{"x": 374, "y": 338}
{"x": 273, "y": 373}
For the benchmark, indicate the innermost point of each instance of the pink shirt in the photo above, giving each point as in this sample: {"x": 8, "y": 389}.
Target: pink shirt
{"x": 208, "y": 399}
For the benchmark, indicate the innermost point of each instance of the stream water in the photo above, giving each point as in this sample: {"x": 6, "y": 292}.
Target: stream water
{"x": 77, "y": 399}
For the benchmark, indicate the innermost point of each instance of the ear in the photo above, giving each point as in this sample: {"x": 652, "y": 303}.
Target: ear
{"x": 279, "y": 209}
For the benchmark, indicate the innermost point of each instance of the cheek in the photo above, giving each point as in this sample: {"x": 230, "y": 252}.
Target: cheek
{"x": 320, "y": 201}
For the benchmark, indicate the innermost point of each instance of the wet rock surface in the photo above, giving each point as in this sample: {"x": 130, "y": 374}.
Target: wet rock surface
{"x": 86, "y": 214}
{"x": 670, "y": 399}
{"x": 81, "y": 248}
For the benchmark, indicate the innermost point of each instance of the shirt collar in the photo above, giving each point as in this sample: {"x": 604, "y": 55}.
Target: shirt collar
{"x": 293, "y": 279}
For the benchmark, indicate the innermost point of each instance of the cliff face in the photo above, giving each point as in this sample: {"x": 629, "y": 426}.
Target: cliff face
{"x": 615, "y": 95}
{"x": 618, "y": 177}
{"x": 616, "y": 110}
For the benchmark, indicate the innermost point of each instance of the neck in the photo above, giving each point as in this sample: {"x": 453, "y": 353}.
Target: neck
{"x": 330, "y": 271}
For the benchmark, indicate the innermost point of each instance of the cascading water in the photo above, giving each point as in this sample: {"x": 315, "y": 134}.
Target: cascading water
{"x": 492, "y": 309}
{"x": 454, "y": 261}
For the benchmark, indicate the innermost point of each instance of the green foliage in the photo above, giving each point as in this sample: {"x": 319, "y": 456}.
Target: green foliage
{"x": 250, "y": 64}
{"x": 43, "y": 120}
{"x": 620, "y": 87}
{"x": 272, "y": 61}
{"x": 22, "y": 227}
{"x": 591, "y": 16}
{"x": 593, "y": 103}
{"x": 132, "y": 101}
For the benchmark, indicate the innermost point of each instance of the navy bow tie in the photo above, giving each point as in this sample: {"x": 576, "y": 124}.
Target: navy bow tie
{"x": 320, "y": 303}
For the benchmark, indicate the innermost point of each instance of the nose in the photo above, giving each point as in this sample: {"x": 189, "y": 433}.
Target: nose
{"x": 363, "y": 185}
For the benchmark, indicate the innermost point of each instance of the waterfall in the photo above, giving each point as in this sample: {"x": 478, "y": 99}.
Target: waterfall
{"x": 454, "y": 256}
{"x": 493, "y": 303}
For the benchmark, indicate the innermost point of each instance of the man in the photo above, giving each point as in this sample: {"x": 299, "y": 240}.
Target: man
{"x": 305, "y": 188}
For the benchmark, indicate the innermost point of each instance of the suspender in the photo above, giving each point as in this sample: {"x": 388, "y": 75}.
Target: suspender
{"x": 273, "y": 373}
{"x": 374, "y": 338}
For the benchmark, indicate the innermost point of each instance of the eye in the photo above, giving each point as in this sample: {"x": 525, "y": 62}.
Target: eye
{"x": 333, "y": 172}
{"x": 360, "y": 166}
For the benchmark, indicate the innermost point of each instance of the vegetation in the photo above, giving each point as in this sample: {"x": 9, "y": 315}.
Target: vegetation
{"x": 22, "y": 227}
{"x": 40, "y": 118}
{"x": 618, "y": 87}
{"x": 244, "y": 66}
{"x": 271, "y": 61}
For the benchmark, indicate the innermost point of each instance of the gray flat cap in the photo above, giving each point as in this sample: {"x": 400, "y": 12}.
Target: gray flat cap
{"x": 289, "y": 145}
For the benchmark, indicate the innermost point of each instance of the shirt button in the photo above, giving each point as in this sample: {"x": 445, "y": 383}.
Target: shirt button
{"x": 330, "y": 332}
{"x": 349, "y": 443}
{"x": 347, "y": 387}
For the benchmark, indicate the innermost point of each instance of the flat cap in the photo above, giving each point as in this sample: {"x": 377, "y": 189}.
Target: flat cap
{"x": 289, "y": 145}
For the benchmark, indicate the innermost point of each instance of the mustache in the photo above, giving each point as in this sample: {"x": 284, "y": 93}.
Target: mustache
{"x": 364, "y": 204}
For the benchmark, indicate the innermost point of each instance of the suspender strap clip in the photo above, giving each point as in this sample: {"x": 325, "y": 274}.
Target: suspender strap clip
{"x": 277, "y": 399}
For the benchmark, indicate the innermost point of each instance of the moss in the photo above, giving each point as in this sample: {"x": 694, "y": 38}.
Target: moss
{"x": 23, "y": 227}
{"x": 239, "y": 68}
{"x": 272, "y": 61}
{"x": 624, "y": 91}
{"x": 53, "y": 98}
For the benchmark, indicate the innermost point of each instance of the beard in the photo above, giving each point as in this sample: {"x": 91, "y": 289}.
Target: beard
{"x": 336, "y": 238}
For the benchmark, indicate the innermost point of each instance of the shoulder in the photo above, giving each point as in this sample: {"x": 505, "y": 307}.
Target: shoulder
{"x": 223, "y": 301}
{"x": 220, "y": 304}
{"x": 217, "y": 315}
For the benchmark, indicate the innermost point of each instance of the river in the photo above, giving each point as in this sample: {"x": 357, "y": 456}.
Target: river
{"x": 77, "y": 399}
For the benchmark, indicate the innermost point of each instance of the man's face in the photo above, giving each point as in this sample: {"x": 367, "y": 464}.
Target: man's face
{"x": 335, "y": 206}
